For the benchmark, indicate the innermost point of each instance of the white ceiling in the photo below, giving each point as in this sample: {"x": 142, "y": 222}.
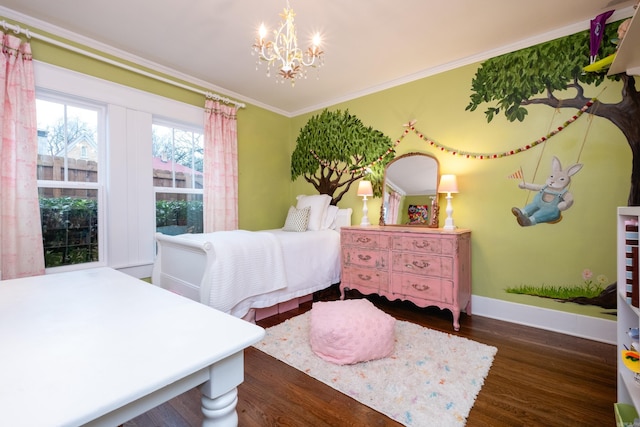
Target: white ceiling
{"x": 370, "y": 45}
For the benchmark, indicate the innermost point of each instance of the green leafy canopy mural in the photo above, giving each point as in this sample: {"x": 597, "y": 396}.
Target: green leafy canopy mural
{"x": 511, "y": 82}
{"x": 332, "y": 151}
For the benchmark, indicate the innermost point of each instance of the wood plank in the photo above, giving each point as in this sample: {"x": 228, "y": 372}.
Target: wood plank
{"x": 537, "y": 378}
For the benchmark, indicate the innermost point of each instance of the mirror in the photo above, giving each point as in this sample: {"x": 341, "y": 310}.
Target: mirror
{"x": 410, "y": 191}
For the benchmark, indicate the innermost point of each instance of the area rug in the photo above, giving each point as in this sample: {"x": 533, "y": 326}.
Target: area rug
{"x": 431, "y": 379}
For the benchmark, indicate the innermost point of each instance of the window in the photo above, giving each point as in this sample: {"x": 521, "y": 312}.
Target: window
{"x": 125, "y": 188}
{"x": 69, "y": 179}
{"x": 178, "y": 155}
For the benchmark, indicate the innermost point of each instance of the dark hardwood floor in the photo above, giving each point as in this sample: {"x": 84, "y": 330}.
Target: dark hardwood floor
{"x": 538, "y": 378}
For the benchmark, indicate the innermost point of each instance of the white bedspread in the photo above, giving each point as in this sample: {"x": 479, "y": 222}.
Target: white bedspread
{"x": 312, "y": 263}
{"x": 246, "y": 264}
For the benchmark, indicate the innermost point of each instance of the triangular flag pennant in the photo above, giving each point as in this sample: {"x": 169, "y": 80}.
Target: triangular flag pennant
{"x": 516, "y": 175}
{"x": 597, "y": 32}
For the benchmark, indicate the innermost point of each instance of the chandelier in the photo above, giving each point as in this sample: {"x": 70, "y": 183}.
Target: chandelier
{"x": 283, "y": 51}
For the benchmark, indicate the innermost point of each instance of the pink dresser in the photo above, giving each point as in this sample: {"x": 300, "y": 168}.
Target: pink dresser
{"x": 428, "y": 266}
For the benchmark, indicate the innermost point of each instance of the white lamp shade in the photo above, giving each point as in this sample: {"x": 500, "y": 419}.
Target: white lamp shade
{"x": 365, "y": 189}
{"x": 448, "y": 184}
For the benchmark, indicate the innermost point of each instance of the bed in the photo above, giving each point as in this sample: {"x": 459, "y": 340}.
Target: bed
{"x": 240, "y": 271}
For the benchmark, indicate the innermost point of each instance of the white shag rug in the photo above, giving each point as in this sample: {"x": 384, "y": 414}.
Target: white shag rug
{"x": 431, "y": 379}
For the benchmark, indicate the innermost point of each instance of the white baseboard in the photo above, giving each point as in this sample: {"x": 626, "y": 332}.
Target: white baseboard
{"x": 577, "y": 325}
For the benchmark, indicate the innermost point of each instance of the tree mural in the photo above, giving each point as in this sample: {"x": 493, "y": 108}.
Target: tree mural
{"x": 534, "y": 75}
{"x": 334, "y": 149}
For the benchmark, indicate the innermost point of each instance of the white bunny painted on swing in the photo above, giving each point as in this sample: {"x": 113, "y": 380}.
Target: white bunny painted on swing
{"x": 552, "y": 198}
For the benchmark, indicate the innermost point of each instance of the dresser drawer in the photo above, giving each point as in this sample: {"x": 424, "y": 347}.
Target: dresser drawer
{"x": 424, "y": 243}
{"x": 425, "y": 288}
{"x": 358, "y": 278}
{"x": 429, "y": 265}
{"x": 365, "y": 239}
{"x": 371, "y": 258}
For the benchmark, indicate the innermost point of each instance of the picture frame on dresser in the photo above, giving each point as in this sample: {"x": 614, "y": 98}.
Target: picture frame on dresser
{"x": 427, "y": 266}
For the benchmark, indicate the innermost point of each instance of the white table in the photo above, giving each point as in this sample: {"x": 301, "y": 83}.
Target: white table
{"x": 98, "y": 347}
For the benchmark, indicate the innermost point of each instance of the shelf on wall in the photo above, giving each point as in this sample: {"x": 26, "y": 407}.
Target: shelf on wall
{"x": 628, "y": 55}
{"x": 628, "y": 316}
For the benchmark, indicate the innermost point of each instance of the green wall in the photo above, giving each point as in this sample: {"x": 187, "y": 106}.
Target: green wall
{"x": 503, "y": 253}
{"x": 263, "y": 169}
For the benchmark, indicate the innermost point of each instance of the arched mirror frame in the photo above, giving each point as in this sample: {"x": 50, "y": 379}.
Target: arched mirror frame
{"x": 433, "y": 207}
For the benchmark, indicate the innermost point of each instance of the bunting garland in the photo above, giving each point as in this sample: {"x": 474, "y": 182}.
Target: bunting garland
{"x": 482, "y": 156}
{"x": 468, "y": 155}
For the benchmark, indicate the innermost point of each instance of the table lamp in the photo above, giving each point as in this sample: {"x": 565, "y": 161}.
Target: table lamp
{"x": 448, "y": 184}
{"x": 364, "y": 190}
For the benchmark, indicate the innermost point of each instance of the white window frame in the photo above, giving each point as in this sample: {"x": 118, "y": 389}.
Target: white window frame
{"x": 130, "y": 215}
{"x": 99, "y": 186}
{"x": 175, "y": 190}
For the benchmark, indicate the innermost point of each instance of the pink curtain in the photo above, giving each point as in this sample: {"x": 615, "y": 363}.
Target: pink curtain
{"x": 220, "y": 167}
{"x": 21, "y": 249}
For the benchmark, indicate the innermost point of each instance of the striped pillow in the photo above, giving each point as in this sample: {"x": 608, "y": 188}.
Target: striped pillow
{"x": 297, "y": 219}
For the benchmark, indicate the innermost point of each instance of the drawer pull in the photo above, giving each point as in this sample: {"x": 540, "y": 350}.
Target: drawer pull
{"x": 419, "y": 287}
{"x": 421, "y": 245}
{"x": 363, "y": 240}
{"x": 365, "y": 277}
{"x": 418, "y": 264}
{"x": 364, "y": 257}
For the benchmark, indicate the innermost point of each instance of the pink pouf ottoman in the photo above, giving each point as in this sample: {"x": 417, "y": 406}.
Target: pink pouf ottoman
{"x": 351, "y": 331}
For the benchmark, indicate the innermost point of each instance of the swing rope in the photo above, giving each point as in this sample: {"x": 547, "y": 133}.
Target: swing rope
{"x": 535, "y": 170}
{"x": 586, "y": 133}
{"x": 590, "y": 122}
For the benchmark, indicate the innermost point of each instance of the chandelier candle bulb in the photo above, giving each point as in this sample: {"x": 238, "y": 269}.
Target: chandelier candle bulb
{"x": 262, "y": 33}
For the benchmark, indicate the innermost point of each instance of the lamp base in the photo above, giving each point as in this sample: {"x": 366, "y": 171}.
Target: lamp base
{"x": 365, "y": 213}
{"x": 448, "y": 223}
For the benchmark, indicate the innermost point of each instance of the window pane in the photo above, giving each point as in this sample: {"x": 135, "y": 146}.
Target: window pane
{"x": 177, "y": 157}
{"x": 69, "y": 225}
{"x": 68, "y": 182}
{"x": 162, "y": 137}
{"x": 183, "y": 157}
{"x": 67, "y": 142}
{"x": 178, "y": 179}
{"x": 198, "y": 160}
{"x": 178, "y": 213}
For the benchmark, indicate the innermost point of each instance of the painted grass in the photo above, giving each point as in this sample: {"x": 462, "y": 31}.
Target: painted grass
{"x": 557, "y": 292}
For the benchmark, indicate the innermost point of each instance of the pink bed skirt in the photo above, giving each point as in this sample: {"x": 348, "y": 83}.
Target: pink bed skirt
{"x": 292, "y": 304}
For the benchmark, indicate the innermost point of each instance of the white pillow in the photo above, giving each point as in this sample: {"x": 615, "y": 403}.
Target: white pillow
{"x": 297, "y": 219}
{"x": 330, "y": 218}
{"x": 343, "y": 219}
{"x": 318, "y": 204}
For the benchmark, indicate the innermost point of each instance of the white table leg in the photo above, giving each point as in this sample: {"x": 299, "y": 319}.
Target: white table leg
{"x": 220, "y": 411}
{"x": 220, "y": 393}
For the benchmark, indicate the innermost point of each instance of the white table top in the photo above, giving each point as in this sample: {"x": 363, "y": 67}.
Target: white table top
{"x": 77, "y": 345}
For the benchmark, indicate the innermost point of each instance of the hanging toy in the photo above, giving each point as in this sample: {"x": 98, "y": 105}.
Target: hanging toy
{"x": 552, "y": 198}
{"x": 622, "y": 30}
